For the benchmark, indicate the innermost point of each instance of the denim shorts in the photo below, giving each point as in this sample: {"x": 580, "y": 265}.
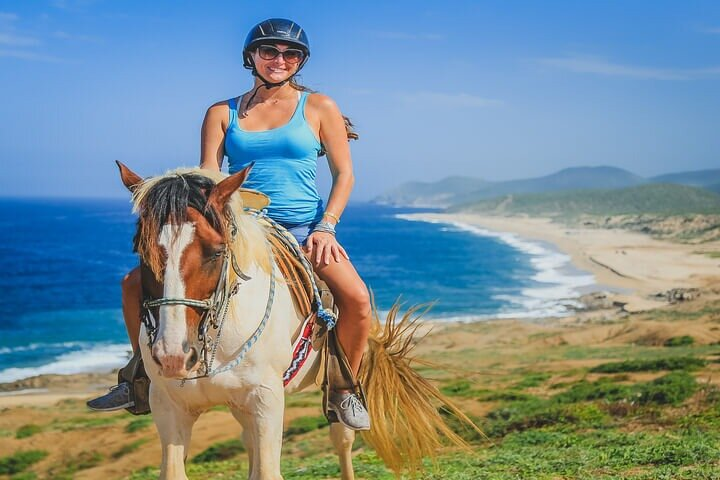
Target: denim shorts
{"x": 301, "y": 232}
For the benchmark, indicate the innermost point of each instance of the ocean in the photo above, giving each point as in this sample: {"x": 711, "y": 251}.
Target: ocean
{"x": 63, "y": 260}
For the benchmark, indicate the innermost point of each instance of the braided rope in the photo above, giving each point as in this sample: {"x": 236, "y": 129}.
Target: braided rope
{"x": 255, "y": 336}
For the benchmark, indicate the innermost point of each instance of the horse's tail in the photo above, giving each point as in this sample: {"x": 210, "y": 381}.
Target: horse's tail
{"x": 406, "y": 423}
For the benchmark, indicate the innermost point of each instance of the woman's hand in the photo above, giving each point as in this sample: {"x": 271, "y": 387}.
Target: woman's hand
{"x": 322, "y": 246}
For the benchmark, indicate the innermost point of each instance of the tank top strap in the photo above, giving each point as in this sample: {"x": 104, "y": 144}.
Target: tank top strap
{"x": 299, "y": 114}
{"x": 232, "y": 104}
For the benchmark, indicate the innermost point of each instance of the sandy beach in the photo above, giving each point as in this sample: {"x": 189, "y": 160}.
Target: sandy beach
{"x": 635, "y": 263}
{"x": 630, "y": 261}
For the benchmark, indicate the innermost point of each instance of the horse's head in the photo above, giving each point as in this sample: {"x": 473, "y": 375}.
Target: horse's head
{"x": 182, "y": 242}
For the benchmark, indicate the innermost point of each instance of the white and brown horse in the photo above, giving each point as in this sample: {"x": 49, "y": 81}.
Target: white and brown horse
{"x": 196, "y": 243}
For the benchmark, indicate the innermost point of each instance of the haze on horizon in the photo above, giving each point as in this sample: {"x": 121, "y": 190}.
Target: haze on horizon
{"x": 495, "y": 90}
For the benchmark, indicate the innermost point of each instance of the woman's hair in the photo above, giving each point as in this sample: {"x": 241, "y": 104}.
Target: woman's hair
{"x": 349, "y": 127}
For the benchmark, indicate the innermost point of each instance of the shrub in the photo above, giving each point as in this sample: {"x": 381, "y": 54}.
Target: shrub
{"x": 19, "y": 461}
{"x": 129, "y": 448}
{"x": 532, "y": 380}
{"x": 537, "y": 413}
{"x": 603, "y": 389}
{"x": 460, "y": 388}
{"x": 679, "y": 341}
{"x": 676, "y": 363}
{"x": 507, "y": 395}
{"x": 306, "y": 424}
{"x": 138, "y": 424}
{"x": 672, "y": 389}
{"x": 220, "y": 451}
{"x": 27, "y": 431}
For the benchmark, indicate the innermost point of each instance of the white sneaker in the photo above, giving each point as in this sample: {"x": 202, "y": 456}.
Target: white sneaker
{"x": 349, "y": 410}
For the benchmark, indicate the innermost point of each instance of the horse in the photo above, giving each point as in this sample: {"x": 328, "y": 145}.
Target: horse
{"x": 196, "y": 241}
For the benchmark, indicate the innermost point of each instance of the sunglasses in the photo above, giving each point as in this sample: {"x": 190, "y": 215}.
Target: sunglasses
{"x": 291, "y": 55}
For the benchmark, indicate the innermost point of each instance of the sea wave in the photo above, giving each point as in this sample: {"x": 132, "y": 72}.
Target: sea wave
{"x": 556, "y": 284}
{"x": 98, "y": 358}
{"x": 42, "y": 346}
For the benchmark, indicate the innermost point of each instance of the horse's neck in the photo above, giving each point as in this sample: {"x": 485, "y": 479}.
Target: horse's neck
{"x": 249, "y": 304}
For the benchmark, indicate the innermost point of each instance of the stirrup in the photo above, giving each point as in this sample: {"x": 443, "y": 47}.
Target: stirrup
{"x": 134, "y": 374}
{"x": 338, "y": 376}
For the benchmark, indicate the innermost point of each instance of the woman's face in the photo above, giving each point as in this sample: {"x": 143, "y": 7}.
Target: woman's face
{"x": 277, "y": 62}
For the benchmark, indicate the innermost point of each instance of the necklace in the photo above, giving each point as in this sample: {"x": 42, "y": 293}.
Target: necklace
{"x": 245, "y": 110}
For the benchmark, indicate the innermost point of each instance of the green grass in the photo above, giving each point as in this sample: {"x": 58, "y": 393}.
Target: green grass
{"x": 220, "y": 451}
{"x": 67, "y": 469}
{"x": 532, "y": 380}
{"x": 28, "y": 431}
{"x": 306, "y": 424}
{"x": 138, "y": 424}
{"x": 671, "y": 389}
{"x": 681, "y": 341}
{"x": 129, "y": 448}
{"x": 672, "y": 363}
{"x": 24, "y": 476}
{"x": 459, "y": 388}
{"x": 19, "y": 461}
{"x": 81, "y": 423}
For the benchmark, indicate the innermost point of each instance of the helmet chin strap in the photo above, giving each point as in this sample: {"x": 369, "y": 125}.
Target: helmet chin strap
{"x": 268, "y": 85}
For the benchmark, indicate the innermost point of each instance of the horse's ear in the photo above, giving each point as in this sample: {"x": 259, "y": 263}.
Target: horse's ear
{"x": 221, "y": 193}
{"x": 129, "y": 178}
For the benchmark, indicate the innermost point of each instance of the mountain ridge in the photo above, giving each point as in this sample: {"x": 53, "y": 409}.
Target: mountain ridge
{"x": 463, "y": 190}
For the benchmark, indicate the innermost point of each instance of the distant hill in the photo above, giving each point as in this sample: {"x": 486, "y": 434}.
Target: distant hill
{"x": 714, "y": 188}
{"x": 576, "y": 178}
{"x": 698, "y": 178}
{"x": 665, "y": 199}
{"x": 436, "y": 194}
{"x": 460, "y": 190}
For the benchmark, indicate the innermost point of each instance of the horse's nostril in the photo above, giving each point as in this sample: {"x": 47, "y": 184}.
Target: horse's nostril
{"x": 192, "y": 359}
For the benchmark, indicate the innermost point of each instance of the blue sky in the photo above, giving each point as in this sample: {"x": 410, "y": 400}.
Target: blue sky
{"x": 497, "y": 89}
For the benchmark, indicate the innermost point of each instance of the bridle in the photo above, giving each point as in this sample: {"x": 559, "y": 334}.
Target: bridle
{"x": 215, "y": 311}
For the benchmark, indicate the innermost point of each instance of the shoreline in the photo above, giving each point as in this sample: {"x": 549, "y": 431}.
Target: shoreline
{"x": 635, "y": 267}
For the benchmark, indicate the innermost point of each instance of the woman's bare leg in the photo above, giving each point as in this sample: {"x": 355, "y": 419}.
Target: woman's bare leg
{"x": 353, "y": 301}
{"x": 120, "y": 395}
{"x": 131, "y": 306}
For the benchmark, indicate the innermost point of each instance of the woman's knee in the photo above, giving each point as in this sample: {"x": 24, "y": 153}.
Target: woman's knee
{"x": 356, "y": 299}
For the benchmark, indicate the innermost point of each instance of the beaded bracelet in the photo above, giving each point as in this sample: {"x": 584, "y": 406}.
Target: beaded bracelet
{"x": 325, "y": 227}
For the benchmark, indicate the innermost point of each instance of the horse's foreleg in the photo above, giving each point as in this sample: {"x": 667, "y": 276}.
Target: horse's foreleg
{"x": 262, "y": 420}
{"x": 174, "y": 426}
{"x": 247, "y": 434}
{"x": 342, "y": 439}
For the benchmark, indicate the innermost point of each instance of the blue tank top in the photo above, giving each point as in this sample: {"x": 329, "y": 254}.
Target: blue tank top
{"x": 285, "y": 165}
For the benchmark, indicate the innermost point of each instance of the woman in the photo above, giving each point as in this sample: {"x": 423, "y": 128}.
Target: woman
{"x": 283, "y": 128}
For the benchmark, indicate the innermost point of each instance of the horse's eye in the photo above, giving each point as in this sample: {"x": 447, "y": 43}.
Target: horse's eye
{"x": 214, "y": 255}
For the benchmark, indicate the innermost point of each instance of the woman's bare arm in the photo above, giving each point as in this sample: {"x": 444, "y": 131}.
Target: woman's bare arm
{"x": 212, "y": 136}
{"x": 334, "y": 137}
{"x": 320, "y": 246}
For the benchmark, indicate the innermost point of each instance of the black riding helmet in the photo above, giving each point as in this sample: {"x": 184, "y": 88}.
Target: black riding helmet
{"x": 275, "y": 30}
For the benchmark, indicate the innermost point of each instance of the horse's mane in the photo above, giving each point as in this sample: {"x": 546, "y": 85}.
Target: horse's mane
{"x": 165, "y": 199}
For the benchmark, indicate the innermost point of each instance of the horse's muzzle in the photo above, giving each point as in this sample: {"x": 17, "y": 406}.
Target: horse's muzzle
{"x": 176, "y": 365}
